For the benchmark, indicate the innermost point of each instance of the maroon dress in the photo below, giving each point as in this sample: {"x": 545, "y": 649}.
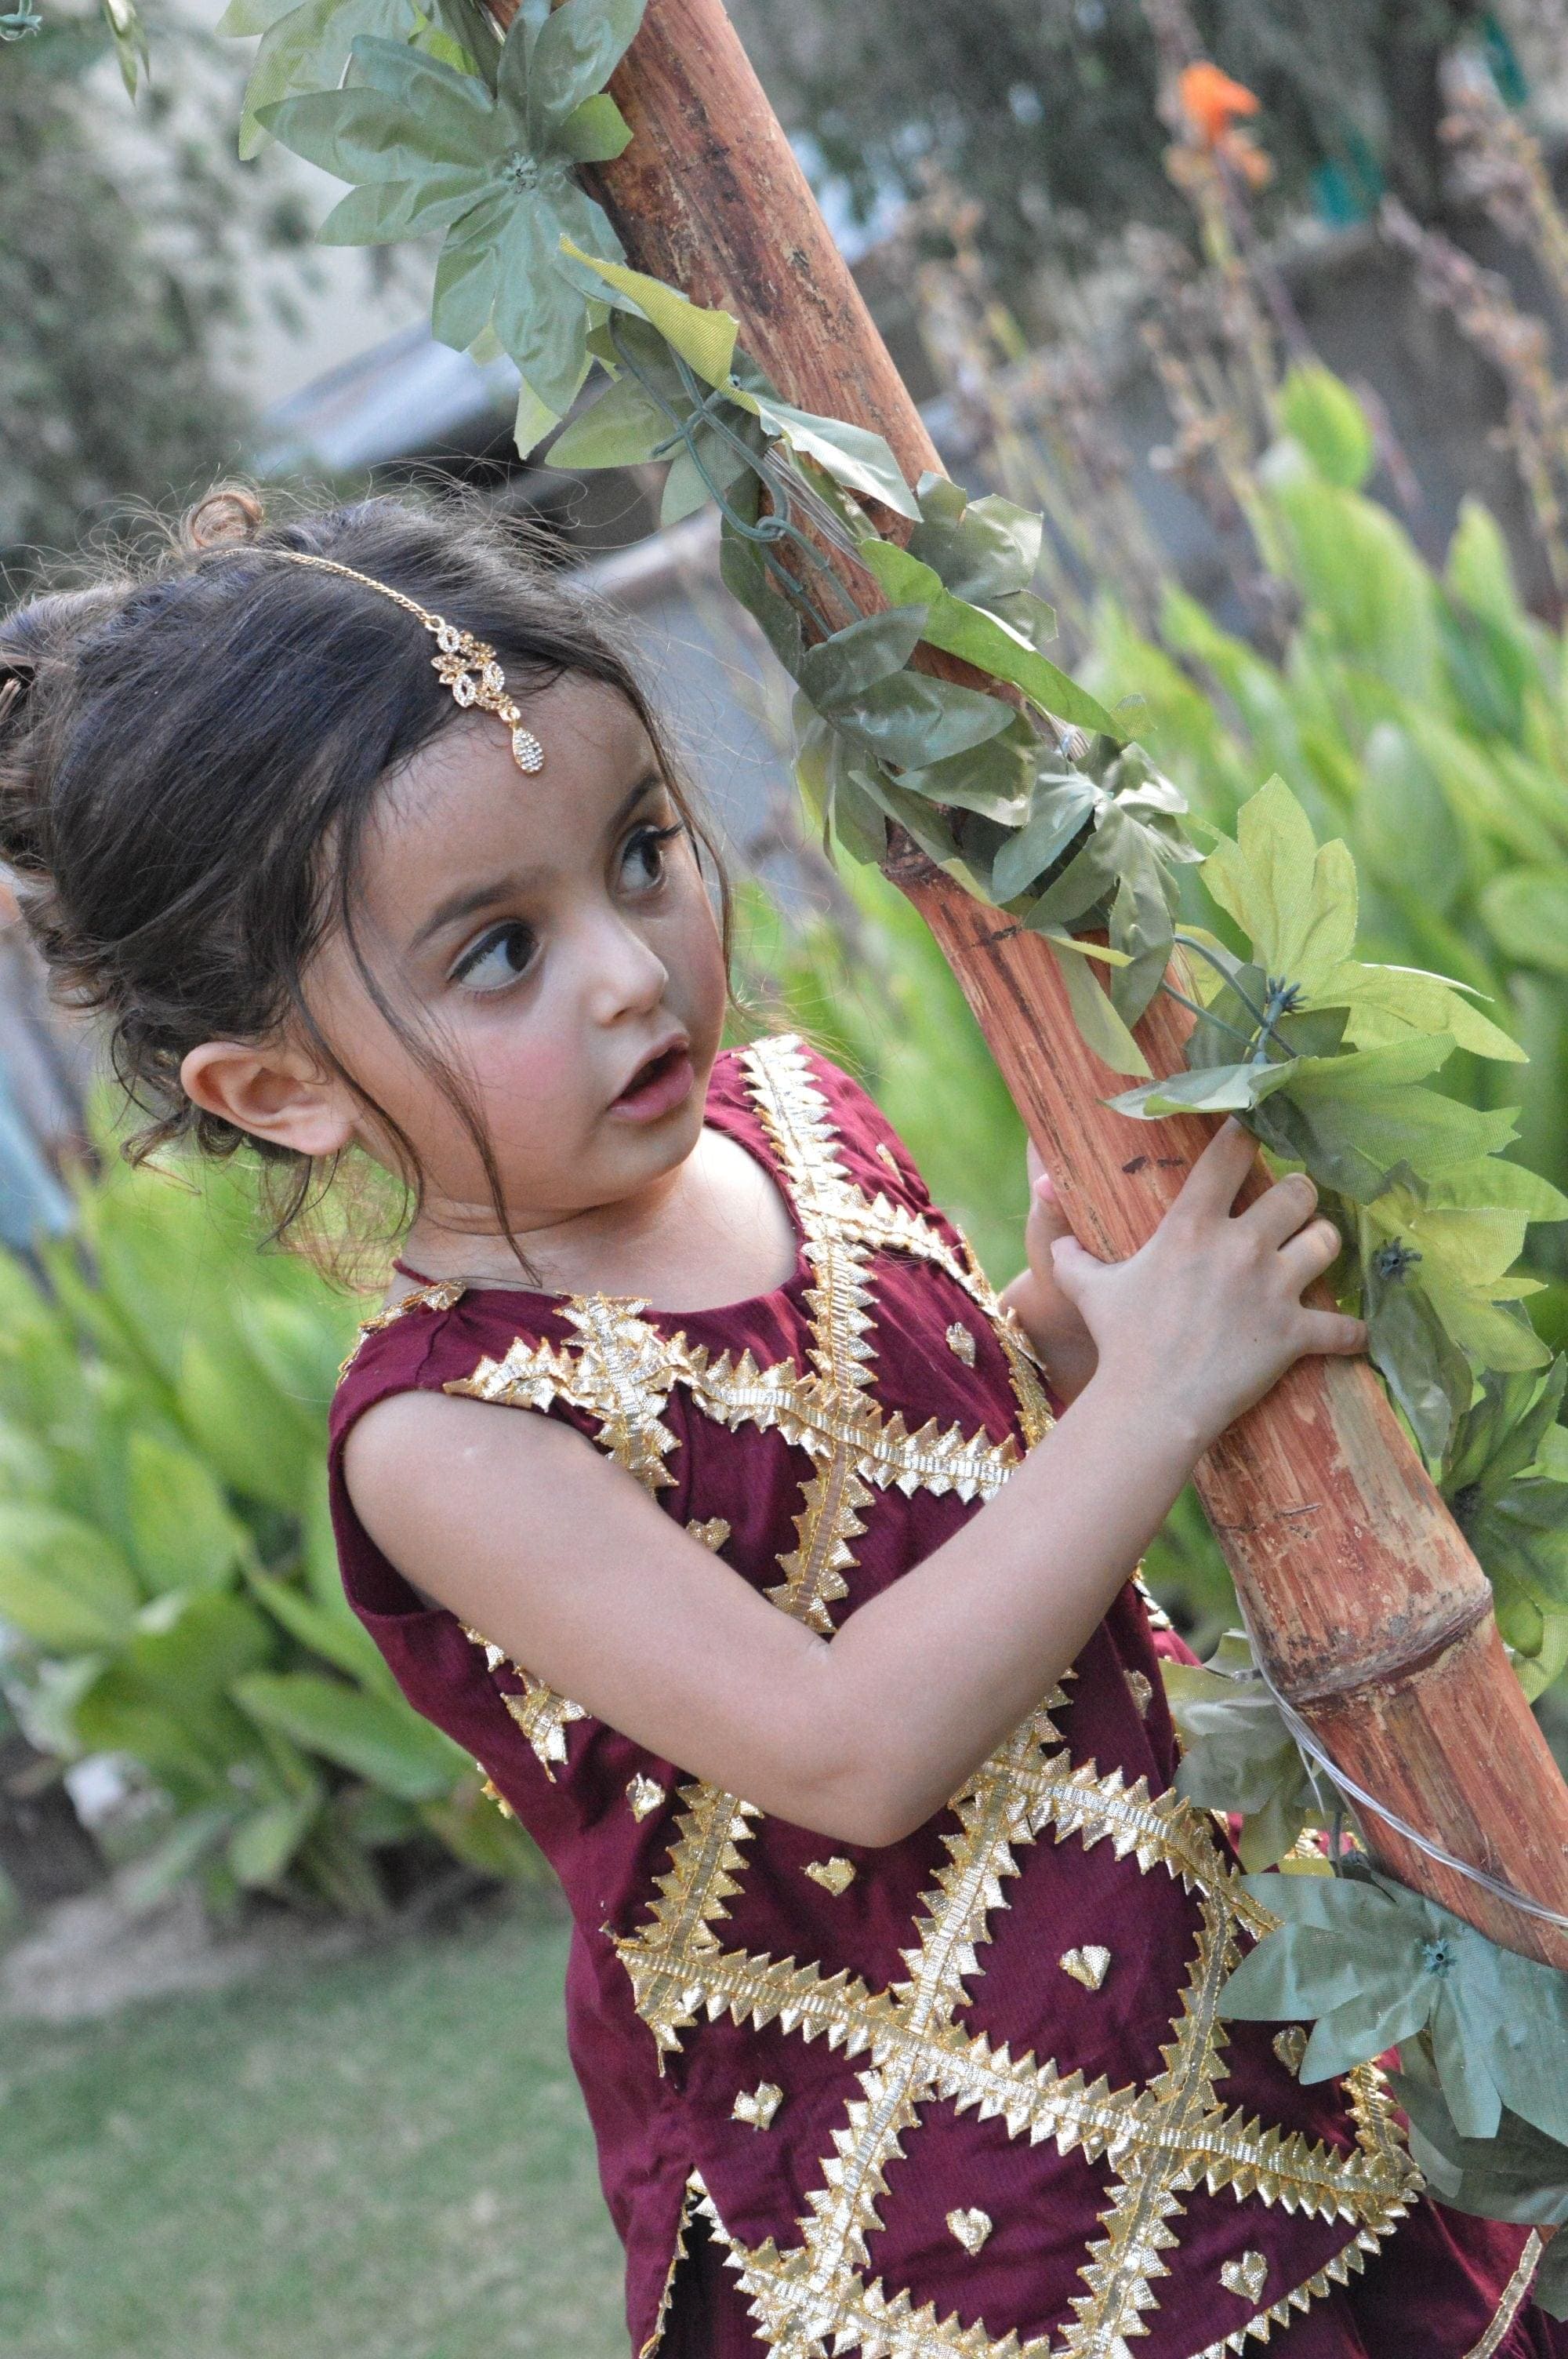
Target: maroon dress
{"x": 966, "y": 2096}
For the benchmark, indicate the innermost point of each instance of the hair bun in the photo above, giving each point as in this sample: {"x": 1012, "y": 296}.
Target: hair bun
{"x": 230, "y": 513}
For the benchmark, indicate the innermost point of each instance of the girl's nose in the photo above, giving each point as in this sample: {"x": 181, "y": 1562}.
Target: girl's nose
{"x": 623, "y": 973}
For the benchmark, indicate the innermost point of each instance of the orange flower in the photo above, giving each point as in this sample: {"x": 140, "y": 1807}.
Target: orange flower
{"x": 1211, "y": 102}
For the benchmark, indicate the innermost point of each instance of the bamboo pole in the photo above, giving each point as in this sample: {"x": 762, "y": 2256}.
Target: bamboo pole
{"x": 1373, "y": 1617}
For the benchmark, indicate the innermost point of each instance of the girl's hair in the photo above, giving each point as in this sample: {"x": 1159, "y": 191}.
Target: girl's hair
{"x": 189, "y": 751}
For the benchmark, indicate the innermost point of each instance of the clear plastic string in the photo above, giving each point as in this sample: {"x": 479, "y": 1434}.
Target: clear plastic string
{"x": 1318, "y": 1758}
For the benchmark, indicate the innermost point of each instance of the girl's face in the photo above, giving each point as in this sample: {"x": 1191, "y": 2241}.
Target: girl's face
{"x": 551, "y": 939}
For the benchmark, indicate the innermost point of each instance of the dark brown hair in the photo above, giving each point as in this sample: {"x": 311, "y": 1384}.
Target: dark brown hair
{"x": 189, "y": 751}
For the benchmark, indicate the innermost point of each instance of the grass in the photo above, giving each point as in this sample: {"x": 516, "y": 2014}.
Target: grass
{"x": 382, "y": 2158}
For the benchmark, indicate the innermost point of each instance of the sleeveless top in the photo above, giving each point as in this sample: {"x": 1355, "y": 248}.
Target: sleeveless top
{"x": 966, "y": 2096}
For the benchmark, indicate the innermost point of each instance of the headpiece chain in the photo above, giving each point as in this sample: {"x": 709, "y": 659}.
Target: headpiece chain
{"x": 467, "y": 664}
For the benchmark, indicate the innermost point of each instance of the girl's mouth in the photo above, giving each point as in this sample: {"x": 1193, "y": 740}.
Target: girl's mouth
{"x": 658, "y": 1086}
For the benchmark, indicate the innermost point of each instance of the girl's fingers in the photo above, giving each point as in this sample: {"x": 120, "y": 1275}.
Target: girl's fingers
{"x": 1286, "y": 1207}
{"x": 1072, "y": 1266}
{"x": 1210, "y": 1188}
{"x": 1330, "y": 1334}
{"x": 1309, "y": 1253}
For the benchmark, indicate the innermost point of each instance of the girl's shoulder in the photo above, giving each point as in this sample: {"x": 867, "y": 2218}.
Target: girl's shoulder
{"x": 809, "y": 1116}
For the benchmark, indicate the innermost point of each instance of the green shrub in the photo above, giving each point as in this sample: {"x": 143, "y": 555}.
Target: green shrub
{"x": 166, "y": 1567}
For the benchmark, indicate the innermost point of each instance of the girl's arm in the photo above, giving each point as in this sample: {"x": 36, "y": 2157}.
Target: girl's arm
{"x": 522, "y": 1529}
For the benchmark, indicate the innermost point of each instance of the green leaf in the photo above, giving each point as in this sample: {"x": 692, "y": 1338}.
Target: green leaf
{"x": 533, "y": 420}
{"x": 841, "y": 669}
{"x": 305, "y": 50}
{"x": 1095, "y": 1018}
{"x": 981, "y": 549}
{"x": 1323, "y": 413}
{"x": 1526, "y": 911}
{"x": 258, "y": 1443}
{"x": 243, "y": 18}
{"x": 1065, "y": 807}
{"x": 1238, "y": 1755}
{"x": 577, "y": 49}
{"x": 1296, "y": 902}
{"x": 183, "y": 1534}
{"x": 1385, "y": 1001}
{"x": 963, "y": 630}
{"x": 620, "y": 430}
{"x": 1002, "y": 779}
{"x": 385, "y": 1742}
{"x": 63, "y": 1584}
{"x": 1210, "y": 1088}
{"x": 912, "y": 721}
{"x": 332, "y": 1631}
{"x": 380, "y": 212}
{"x": 1424, "y": 1368}
{"x": 705, "y": 340}
{"x": 265, "y": 1840}
{"x": 851, "y": 455}
{"x": 595, "y": 132}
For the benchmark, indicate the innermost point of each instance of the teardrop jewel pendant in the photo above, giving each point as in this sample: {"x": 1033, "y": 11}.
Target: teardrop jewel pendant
{"x": 527, "y": 750}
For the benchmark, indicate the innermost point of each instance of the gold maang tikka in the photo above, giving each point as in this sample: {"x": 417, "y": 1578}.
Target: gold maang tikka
{"x": 466, "y": 665}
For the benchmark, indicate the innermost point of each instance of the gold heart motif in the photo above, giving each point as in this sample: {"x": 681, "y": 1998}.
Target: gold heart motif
{"x": 835, "y": 1874}
{"x": 971, "y": 2228}
{"x": 1244, "y": 2277}
{"x": 646, "y": 1795}
{"x": 758, "y": 2105}
{"x": 1291, "y": 2046}
{"x": 962, "y": 1342}
{"x": 1089, "y": 1965}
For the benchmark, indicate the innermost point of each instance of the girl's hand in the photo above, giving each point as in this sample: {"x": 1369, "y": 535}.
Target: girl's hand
{"x": 1208, "y": 1315}
{"x": 1052, "y": 1320}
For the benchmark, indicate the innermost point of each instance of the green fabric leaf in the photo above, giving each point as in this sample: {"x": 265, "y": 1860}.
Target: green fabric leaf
{"x": 851, "y": 455}
{"x": 1063, "y": 807}
{"x": 466, "y": 274}
{"x": 533, "y": 420}
{"x": 1212, "y": 1089}
{"x": 577, "y": 49}
{"x": 981, "y": 549}
{"x": 537, "y": 315}
{"x": 1094, "y": 1015}
{"x": 836, "y": 672}
{"x": 306, "y": 49}
{"x": 1239, "y": 1755}
{"x": 380, "y": 211}
{"x": 911, "y": 720}
{"x": 745, "y": 576}
{"x": 1387, "y": 1001}
{"x": 451, "y": 107}
{"x": 705, "y": 340}
{"x": 1004, "y": 779}
{"x": 1296, "y": 902}
{"x": 243, "y": 18}
{"x": 594, "y": 133}
{"x": 619, "y": 430}
{"x": 966, "y": 631}
{"x": 360, "y": 134}
{"x": 1422, "y": 1367}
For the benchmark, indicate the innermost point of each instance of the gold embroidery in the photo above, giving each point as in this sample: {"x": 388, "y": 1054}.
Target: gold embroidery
{"x": 695, "y": 2193}
{"x": 1347, "y": 2263}
{"x": 493, "y": 1793}
{"x": 542, "y": 1715}
{"x": 758, "y": 2105}
{"x": 971, "y": 2227}
{"x": 1162, "y": 2140}
{"x": 1143, "y": 1691}
{"x": 1514, "y": 2293}
{"x": 1246, "y": 2276}
{"x": 1290, "y": 2045}
{"x": 834, "y": 1876}
{"x": 711, "y": 1534}
{"x": 661, "y": 1957}
{"x": 646, "y": 1795}
{"x": 885, "y": 1155}
{"x": 440, "y": 1295}
{"x": 962, "y": 1342}
{"x": 1089, "y": 1965}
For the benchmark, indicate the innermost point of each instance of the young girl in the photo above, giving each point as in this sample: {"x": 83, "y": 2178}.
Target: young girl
{"x": 695, "y": 1481}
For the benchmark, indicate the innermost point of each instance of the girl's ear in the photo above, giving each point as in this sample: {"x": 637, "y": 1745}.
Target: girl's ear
{"x": 276, "y": 1093}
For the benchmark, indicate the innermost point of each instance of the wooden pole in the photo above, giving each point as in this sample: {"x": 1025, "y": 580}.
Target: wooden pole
{"x": 1372, "y": 1616}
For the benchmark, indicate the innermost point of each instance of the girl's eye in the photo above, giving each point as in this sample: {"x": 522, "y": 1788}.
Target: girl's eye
{"x": 646, "y": 853}
{"x": 497, "y": 958}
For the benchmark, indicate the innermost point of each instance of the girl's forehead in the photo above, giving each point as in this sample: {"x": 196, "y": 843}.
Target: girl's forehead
{"x": 466, "y": 783}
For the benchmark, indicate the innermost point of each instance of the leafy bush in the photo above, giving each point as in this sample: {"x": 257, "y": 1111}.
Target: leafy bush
{"x": 166, "y": 1567}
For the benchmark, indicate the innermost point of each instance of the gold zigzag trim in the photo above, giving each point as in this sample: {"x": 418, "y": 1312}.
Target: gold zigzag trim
{"x": 1514, "y": 2292}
